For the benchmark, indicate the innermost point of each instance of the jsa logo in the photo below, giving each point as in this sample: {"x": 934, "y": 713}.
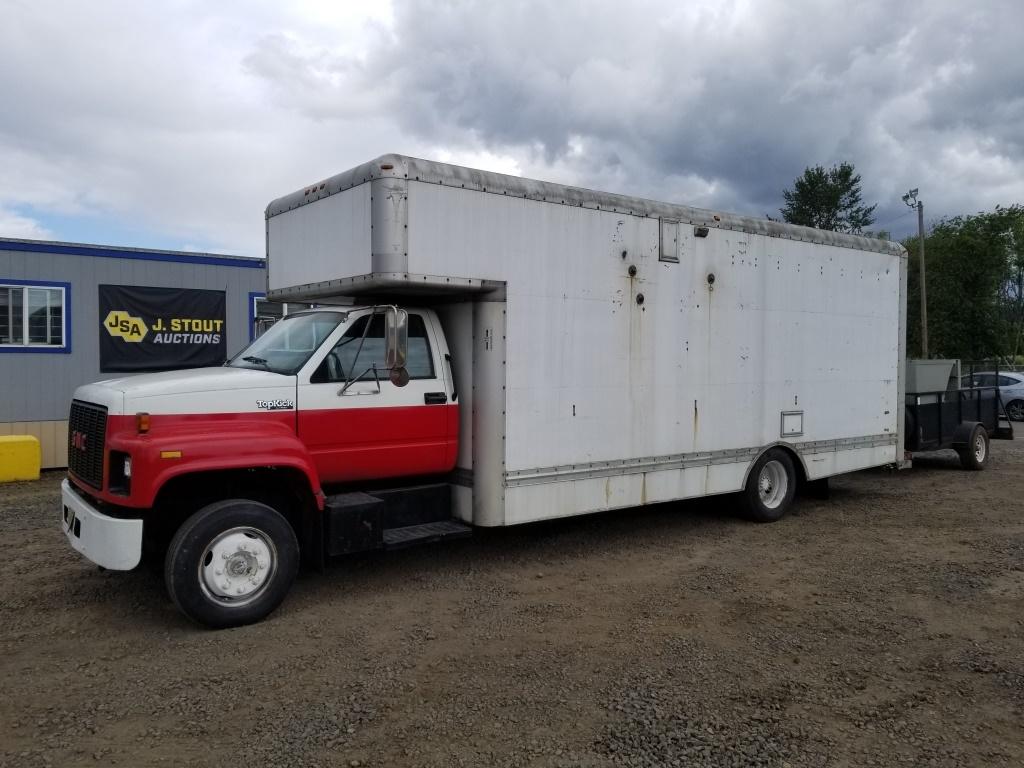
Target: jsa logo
{"x": 125, "y": 326}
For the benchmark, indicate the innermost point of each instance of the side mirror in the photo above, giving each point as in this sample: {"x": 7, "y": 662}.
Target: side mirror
{"x": 396, "y": 343}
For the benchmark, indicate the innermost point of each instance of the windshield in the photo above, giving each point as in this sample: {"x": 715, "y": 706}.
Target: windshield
{"x": 288, "y": 343}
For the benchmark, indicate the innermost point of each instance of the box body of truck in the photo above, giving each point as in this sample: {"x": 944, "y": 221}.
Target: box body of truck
{"x": 611, "y": 351}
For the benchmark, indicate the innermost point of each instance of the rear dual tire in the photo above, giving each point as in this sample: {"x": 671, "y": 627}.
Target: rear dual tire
{"x": 231, "y": 563}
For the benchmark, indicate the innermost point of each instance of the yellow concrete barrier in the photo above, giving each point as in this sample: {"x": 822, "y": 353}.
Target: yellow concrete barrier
{"x": 19, "y": 458}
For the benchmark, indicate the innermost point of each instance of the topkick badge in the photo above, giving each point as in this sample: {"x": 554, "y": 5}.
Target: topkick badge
{"x": 160, "y": 329}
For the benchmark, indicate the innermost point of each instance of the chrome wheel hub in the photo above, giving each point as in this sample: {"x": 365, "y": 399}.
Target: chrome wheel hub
{"x": 237, "y": 565}
{"x": 772, "y": 484}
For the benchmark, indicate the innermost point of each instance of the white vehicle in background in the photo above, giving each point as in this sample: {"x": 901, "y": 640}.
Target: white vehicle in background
{"x": 500, "y": 351}
{"x": 1011, "y": 389}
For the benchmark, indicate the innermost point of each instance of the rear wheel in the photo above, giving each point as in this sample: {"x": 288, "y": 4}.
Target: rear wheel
{"x": 231, "y": 563}
{"x": 1015, "y": 410}
{"x": 974, "y": 455}
{"x": 770, "y": 487}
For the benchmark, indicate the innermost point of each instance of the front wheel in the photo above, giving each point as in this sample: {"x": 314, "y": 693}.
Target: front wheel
{"x": 974, "y": 455}
{"x": 770, "y": 487}
{"x": 231, "y": 563}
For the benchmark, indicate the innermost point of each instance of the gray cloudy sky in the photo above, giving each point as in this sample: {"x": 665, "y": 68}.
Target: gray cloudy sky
{"x": 172, "y": 124}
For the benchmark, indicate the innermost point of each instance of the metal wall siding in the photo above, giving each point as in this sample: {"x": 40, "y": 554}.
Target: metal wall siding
{"x": 39, "y": 387}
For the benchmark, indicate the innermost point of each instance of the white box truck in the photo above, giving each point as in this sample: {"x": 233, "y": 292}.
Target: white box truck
{"x": 488, "y": 350}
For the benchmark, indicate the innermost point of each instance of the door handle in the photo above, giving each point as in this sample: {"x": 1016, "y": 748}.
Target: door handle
{"x": 435, "y": 398}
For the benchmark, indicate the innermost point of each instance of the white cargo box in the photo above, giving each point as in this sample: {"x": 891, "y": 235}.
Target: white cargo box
{"x": 613, "y": 351}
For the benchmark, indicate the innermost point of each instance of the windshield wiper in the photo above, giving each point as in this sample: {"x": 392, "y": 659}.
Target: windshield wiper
{"x": 255, "y": 360}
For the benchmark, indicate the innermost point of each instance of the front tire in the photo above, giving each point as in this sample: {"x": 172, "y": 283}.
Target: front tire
{"x": 974, "y": 455}
{"x": 231, "y": 563}
{"x": 770, "y": 487}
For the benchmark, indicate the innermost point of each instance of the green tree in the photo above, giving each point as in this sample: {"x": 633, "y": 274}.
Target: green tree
{"x": 975, "y": 273}
{"x": 1013, "y": 288}
{"x": 828, "y": 199}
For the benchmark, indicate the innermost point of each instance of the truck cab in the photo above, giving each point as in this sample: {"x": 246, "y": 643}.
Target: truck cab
{"x": 221, "y": 472}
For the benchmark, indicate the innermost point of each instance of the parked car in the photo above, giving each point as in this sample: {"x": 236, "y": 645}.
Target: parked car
{"x": 1011, "y": 388}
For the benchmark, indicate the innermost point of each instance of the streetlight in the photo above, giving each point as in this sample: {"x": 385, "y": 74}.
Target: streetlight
{"x": 911, "y": 200}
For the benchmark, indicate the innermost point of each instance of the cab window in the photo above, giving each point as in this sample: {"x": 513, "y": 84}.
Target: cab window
{"x": 347, "y": 360}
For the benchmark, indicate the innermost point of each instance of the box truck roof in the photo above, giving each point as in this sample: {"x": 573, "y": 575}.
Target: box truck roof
{"x": 433, "y": 172}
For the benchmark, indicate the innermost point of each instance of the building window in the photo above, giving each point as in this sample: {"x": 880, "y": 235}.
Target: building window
{"x": 34, "y": 316}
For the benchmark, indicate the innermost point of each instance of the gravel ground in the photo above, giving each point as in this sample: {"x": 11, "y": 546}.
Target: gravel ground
{"x": 880, "y": 627}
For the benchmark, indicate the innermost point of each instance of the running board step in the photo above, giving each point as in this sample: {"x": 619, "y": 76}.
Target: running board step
{"x": 396, "y": 538}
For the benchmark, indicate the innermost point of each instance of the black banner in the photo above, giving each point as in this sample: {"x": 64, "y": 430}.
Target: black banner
{"x": 160, "y": 329}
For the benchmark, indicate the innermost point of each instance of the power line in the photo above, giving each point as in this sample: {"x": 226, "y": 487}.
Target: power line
{"x": 890, "y": 221}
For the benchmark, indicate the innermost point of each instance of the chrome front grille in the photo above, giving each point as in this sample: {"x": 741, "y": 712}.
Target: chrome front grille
{"x": 87, "y": 433}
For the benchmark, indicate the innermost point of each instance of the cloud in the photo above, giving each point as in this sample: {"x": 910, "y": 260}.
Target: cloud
{"x": 147, "y": 115}
{"x": 186, "y": 119}
{"x": 14, "y": 224}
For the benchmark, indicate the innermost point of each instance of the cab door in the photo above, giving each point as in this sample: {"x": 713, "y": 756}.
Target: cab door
{"x": 376, "y": 429}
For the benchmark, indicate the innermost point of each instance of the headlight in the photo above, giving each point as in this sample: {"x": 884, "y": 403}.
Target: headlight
{"x": 127, "y": 467}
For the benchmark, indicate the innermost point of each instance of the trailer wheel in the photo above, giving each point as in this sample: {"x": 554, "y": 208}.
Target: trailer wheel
{"x": 231, "y": 563}
{"x": 1015, "y": 410}
{"x": 974, "y": 455}
{"x": 770, "y": 488}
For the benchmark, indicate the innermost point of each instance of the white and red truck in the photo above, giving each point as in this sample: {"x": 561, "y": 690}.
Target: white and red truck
{"x": 489, "y": 350}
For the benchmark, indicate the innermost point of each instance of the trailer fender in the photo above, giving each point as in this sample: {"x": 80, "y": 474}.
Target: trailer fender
{"x": 962, "y": 434}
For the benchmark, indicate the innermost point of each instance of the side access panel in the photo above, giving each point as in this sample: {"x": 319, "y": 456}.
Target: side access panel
{"x": 354, "y": 523}
{"x": 415, "y": 505}
{"x": 391, "y": 518}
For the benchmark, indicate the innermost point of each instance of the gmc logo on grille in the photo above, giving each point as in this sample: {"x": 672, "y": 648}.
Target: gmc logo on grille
{"x": 78, "y": 440}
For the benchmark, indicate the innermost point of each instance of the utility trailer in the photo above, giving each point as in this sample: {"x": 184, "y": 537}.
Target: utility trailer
{"x": 960, "y": 418}
{"x": 488, "y": 351}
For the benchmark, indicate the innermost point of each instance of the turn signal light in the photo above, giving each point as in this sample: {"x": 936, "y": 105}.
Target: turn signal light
{"x": 142, "y": 422}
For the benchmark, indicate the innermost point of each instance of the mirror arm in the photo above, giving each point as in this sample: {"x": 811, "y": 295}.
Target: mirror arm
{"x": 359, "y": 349}
{"x": 349, "y": 381}
{"x": 376, "y": 378}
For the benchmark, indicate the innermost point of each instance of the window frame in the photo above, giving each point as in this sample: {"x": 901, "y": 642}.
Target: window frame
{"x": 254, "y": 298}
{"x": 27, "y": 347}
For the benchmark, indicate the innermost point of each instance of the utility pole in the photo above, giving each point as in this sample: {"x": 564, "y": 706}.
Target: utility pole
{"x": 911, "y": 200}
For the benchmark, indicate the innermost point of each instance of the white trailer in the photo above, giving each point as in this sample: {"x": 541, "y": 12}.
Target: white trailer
{"x": 611, "y": 351}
